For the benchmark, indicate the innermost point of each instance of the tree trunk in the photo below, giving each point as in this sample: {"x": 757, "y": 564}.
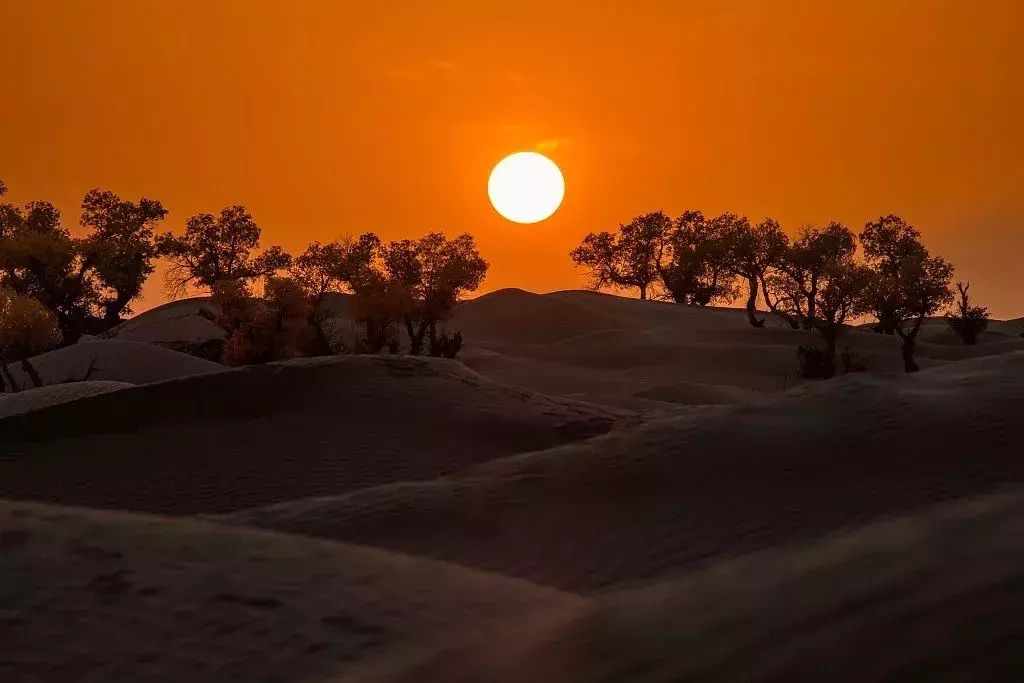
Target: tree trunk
{"x": 415, "y": 336}
{"x": 831, "y": 337}
{"x": 812, "y": 304}
{"x": 433, "y": 335}
{"x": 10, "y": 378}
{"x": 811, "y": 312}
{"x": 752, "y": 303}
{"x": 908, "y": 355}
{"x": 112, "y": 309}
{"x": 37, "y": 381}
{"x": 374, "y": 336}
{"x": 643, "y": 292}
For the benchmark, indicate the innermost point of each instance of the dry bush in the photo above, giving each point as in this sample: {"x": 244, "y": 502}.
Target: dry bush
{"x": 273, "y": 327}
{"x": 446, "y": 345}
{"x": 967, "y": 321}
{"x": 815, "y": 363}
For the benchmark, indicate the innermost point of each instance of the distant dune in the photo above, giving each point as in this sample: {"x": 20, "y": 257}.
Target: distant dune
{"x": 177, "y": 321}
{"x": 115, "y": 361}
{"x": 617, "y": 348}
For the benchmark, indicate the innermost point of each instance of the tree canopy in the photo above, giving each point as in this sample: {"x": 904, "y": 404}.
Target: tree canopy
{"x": 215, "y": 248}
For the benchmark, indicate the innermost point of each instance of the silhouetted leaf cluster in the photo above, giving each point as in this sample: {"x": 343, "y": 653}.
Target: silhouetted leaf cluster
{"x": 88, "y": 283}
{"x": 217, "y": 249}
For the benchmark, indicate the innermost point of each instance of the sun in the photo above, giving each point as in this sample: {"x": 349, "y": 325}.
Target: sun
{"x": 526, "y": 187}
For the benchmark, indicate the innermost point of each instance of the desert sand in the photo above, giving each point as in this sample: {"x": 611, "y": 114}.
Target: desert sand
{"x": 600, "y": 489}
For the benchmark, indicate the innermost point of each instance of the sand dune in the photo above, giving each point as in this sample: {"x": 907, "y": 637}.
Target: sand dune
{"x": 264, "y": 434}
{"x": 88, "y": 595}
{"x": 617, "y": 348}
{"x": 177, "y": 321}
{"x": 666, "y": 496}
{"x": 115, "y": 361}
{"x": 934, "y": 597}
{"x": 55, "y": 394}
{"x": 630, "y": 493}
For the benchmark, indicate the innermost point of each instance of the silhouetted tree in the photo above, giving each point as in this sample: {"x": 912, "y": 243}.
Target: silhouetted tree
{"x": 3, "y": 188}
{"x": 627, "y": 258}
{"x": 909, "y": 284}
{"x": 427, "y": 278}
{"x": 333, "y": 267}
{"x": 921, "y": 287}
{"x": 839, "y": 298}
{"x": 751, "y": 251}
{"x": 379, "y": 304}
{"x": 26, "y": 329}
{"x": 888, "y": 244}
{"x": 804, "y": 269}
{"x": 263, "y": 329}
{"x": 87, "y": 282}
{"x": 693, "y": 260}
{"x": 967, "y": 321}
{"x": 218, "y": 248}
{"x": 121, "y": 248}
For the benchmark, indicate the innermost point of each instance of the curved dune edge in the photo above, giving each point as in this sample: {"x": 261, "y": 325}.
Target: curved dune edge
{"x": 646, "y": 501}
{"x": 55, "y": 394}
{"x": 264, "y": 434}
{"x": 931, "y": 597}
{"x": 116, "y": 361}
{"x": 130, "y": 598}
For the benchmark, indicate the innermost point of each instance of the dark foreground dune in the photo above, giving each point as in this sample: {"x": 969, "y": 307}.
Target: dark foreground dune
{"x": 933, "y": 598}
{"x": 266, "y": 434}
{"x": 665, "y": 497}
{"x": 113, "y": 597}
{"x": 90, "y": 595}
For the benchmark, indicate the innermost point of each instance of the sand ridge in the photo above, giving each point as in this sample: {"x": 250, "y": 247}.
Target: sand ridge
{"x": 665, "y": 496}
{"x": 931, "y": 597}
{"x": 263, "y": 434}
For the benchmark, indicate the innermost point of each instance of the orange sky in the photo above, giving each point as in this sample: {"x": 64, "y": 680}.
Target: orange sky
{"x": 333, "y": 116}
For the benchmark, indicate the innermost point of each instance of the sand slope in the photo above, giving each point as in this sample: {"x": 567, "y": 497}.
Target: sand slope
{"x": 116, "y": 597}
{"x": 617, "y": 348}
{"x": 176, "y": 321}
{"x": 665, "y": 496}
{"x": 264, "y": 434}
{"x": 931, "y": 598}
{"x": 115, "y": 361}
{"x": 54, "y": 394}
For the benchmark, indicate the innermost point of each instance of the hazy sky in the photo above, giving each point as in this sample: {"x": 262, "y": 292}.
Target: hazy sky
{"x": 330, "y": 117}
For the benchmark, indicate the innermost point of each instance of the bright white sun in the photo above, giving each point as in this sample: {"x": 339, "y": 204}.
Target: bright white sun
{"x": 526, "y": 187}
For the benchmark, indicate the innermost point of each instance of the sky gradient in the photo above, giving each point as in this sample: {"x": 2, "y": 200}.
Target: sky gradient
{"x": 331, "y": 117}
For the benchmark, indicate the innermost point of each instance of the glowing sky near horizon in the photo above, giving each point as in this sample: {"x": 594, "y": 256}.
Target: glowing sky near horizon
{"x": 326, "y": 118}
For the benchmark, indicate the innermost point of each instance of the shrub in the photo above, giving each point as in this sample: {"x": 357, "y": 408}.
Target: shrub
{"x": 815, "y": 363}
{"x": 852, "y": 362}
{"x": 967, "y": 321}
{"x": 446, "y": 345}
